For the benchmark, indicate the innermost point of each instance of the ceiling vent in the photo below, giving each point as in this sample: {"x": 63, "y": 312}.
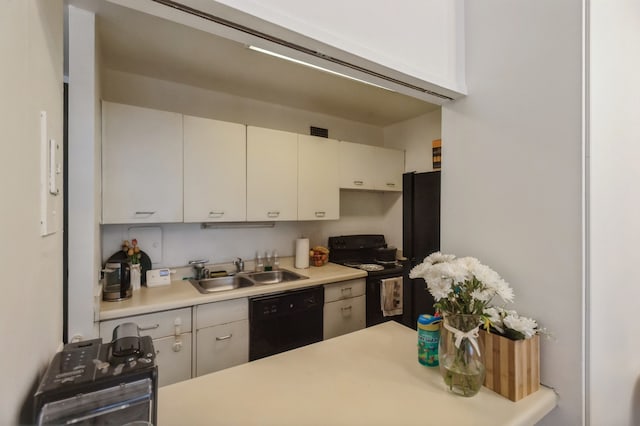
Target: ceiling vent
{"x": 319, "y": 131}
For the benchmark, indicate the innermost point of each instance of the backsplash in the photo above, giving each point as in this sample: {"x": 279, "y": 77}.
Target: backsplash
{"x": 360, "y": 212}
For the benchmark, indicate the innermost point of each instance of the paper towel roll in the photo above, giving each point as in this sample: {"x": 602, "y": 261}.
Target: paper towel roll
{"x": 302, "y": 253}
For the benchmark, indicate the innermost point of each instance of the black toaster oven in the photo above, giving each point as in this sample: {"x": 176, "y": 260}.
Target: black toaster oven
{"x": 96, "y": 383}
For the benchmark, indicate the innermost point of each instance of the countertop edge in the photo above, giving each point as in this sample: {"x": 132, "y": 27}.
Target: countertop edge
{"x": 182, "y": 294}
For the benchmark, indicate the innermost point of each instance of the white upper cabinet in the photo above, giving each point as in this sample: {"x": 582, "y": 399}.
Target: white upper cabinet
{"x": 272, "y": 175}
{"x": 370, "y": 167}
{"x": 141, "y": 165}
{"x": 389, "y": 169}
{"x": 215, "y": 178}
{"x": 318, "y": 178}
{"x": 356, "y": 165}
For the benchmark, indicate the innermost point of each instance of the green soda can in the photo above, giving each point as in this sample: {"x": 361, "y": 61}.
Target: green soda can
{"x": 428, "y": 339}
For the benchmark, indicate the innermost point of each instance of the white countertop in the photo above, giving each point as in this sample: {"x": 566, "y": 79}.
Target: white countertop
{"x": 369, "y": 377}
{"x": 180, "y": 294}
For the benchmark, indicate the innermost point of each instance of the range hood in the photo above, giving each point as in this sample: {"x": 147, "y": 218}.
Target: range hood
{"x": 224, "y": 21}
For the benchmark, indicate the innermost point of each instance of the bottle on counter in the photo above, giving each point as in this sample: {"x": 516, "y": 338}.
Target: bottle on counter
{"x": 276, "y": 262}
{"x": 268, "y": 262}
{"x": 259, "y": 264}
{"x": 428, "y": 339}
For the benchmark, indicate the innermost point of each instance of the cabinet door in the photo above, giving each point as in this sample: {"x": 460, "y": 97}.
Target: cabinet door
{"x": 318, "y": 180}
{"x": 272, "y": 175}
{"x": 356, "y": 165}
{"x": 141, "y": 165}
{"x": 215, "y": 177}
{"x": 390, "y": 167}
{"x": 173, "y": 357}
{"x": 222, "y": 346}
{"x": 344, "y": 316}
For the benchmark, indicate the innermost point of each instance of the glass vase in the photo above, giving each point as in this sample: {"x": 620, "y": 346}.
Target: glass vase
{"x": 460, "y": 354}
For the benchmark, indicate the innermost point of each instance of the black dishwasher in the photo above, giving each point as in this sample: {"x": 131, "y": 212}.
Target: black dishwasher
{"x": 284, "y": 321}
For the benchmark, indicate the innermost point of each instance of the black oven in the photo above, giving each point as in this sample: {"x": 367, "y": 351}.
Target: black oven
{"x": 370, "y": 252}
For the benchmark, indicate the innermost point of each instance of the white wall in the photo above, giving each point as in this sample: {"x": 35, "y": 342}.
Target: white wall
{"x": 84, "y": 174}
{"x": 414, "y": 136}
{"x": 512, "y": 173}
{"x": 31, "y": 302}
{"x": 614, "y": 364}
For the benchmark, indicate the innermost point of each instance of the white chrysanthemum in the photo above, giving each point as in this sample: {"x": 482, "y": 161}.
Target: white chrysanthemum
{"x": 524, "y": 325}
{"x": 504, "y": 291}
{"x": 438, "y": 257}
{"x": 439, "y": 286}
{"x": 482, "y": 295}
{"x": 485, "y": 275}
{"x": 469, "y": 262}
{"x": 494, "y": 316}
{"x": 418, "y": 271}
{"x": 454, "y": 270}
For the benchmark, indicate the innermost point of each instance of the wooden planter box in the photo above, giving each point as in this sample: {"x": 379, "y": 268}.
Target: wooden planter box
{"x": 512, "y": 366}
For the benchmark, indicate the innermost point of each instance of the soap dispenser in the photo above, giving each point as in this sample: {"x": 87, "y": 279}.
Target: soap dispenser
{"x": 276, "y": 262}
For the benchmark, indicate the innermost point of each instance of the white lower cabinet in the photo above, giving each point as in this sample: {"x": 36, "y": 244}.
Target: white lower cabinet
{"x": 222, "y": 335}
{"x": 173, "y": 359}
{"x": 344, "y": 307}
{"x": 172, "y": 340}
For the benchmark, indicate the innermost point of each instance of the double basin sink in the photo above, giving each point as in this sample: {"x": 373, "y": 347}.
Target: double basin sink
{"x": 249, "y": 279}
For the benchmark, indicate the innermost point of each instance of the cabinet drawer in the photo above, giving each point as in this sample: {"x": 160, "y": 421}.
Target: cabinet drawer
{"x": 221, "y": 312}
{"x": 344, "y": 290}
{"x": 344, "y": 316}
{"x": 174, "y": 361}
{"x": 156, "y": 325}
{"x": 222, "y": 346}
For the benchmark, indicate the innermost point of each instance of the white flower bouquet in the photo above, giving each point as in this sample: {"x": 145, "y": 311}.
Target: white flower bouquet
{"x": 466, "y": 286}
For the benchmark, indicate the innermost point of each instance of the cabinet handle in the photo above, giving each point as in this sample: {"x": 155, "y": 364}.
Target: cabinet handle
{"x": 216, "y": 214}
{"x": 346, "y": 310}
{"x": 391, "y": 184}
{"x": 151, "y": 327}
{"x": 149, "y": 213}
{"x": 358, "y": 182}
{"x": 177, "y": 345}
{"x": 273, "y": 214}
{"x": 320, "y": 214}
{"x": 228, "y": 336}
{"x": 346, "y": 289}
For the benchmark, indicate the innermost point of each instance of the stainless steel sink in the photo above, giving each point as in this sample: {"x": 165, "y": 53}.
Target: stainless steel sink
{"x": 211, "y": 285}
{"x": 275, "y": 277}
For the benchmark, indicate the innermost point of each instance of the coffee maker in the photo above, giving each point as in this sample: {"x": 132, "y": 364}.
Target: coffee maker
{"x": 116, "y": 281}
{"x": 92, "y": 382}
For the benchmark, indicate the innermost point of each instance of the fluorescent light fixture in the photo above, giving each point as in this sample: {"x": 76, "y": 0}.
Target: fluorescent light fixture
{"x": 297, "y": 61}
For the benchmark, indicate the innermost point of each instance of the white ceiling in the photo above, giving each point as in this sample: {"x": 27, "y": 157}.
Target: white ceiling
{"x": 135, "y": 42}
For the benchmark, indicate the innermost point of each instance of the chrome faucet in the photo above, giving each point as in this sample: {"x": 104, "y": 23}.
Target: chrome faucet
{"x": 198, "y": 266}
{"x": 239, "y": 263}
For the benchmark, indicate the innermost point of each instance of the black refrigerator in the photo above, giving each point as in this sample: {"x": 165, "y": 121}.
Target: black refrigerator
{"x": 420, "y": 236}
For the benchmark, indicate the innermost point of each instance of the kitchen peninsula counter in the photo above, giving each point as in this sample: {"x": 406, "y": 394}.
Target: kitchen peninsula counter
{"x": 180, "y": 294}
{"x": 369, "y": 377}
